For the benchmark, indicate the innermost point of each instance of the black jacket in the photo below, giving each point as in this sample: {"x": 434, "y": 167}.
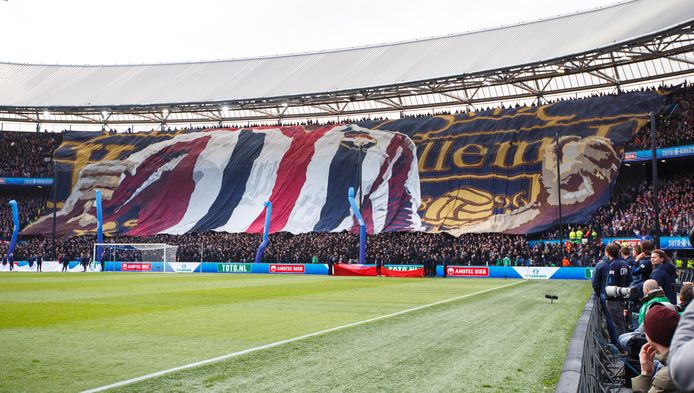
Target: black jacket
{"x": 666, "y": 275}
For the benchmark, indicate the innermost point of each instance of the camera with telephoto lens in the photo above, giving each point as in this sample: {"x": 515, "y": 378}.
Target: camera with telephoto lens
{"x": 615, "y": 291}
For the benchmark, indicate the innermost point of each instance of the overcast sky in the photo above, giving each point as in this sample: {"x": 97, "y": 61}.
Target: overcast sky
{"x": 153, "y": 31}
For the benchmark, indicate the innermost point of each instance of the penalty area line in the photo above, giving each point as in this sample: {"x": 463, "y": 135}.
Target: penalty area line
{"x": 289, "y": 340}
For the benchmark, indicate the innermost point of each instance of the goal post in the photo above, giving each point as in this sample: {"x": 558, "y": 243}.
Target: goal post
{"x": 134, "y": 252}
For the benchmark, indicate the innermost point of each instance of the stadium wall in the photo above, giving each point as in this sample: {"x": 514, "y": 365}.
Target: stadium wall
{"x": 512, "y": 272}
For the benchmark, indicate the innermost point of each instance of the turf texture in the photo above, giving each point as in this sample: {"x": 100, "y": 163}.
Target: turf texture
{"x": 72, "y": 332}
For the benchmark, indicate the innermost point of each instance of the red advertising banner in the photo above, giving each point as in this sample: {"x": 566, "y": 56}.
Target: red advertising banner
{"x": 465, "y": 271}
{"x": 344, "y": 269}
{"x": 402, "y": 273}
{"x": 628, "y": 242}
{"x": 283, "y": 268}
{"x": 138, "y": 267}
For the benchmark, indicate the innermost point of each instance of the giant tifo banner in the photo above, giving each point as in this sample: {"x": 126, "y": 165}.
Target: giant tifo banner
{"x": 492, "y": 171}
{"x": 218, "y": 180}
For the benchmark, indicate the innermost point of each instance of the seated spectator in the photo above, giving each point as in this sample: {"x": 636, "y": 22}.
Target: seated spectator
{"x": 686, "y": 296}
{"x": 659, "y": 324}
{"x": 653, "y": 294}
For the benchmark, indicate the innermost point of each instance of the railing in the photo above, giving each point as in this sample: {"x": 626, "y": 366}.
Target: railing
{"x": 686, "y": 275}
{"x": 589, "y": 366}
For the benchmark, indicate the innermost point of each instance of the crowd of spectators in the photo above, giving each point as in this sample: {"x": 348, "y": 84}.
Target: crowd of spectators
{"x": 32, "y": 205}
{"x": 326, "y": 247}
{"x": 631, "y": 212}
{"x": 675, "y": 125}
{"x": 27, "y": 154}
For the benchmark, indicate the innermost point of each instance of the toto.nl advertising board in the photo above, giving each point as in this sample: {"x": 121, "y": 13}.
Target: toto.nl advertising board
{"x": 286, "y": 268}
{"x": 403, "y": 268}
{"x": 234, "y": 268}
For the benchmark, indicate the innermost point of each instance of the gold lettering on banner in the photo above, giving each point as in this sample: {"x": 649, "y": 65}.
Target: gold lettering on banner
{"x": 603, "y": 130}
{"x": 501, "y": 154}
{"x": 551, "y": 120}
{"x": 440, "y": 158}
{"x": 519, "y": 200}
{"x": 469, "y": 205}
{"x": 471, "y": 150}
{"x": 520, "y": 156}
{"x": 130, "y": 223}
{"x": 544, "y": 144}
{"x": 540, "y": 113}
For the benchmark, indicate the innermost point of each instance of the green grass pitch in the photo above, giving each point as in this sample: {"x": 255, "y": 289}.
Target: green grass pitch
{"x": 73, "y": 332}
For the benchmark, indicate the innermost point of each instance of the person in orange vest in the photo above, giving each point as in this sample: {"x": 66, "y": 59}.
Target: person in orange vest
{"x": 565, "y": 262}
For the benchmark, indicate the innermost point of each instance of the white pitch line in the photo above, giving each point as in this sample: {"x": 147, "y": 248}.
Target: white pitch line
{"x": 289, "y": 340}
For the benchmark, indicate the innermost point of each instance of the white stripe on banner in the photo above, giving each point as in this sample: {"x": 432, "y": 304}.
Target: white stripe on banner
{"x": 380, "y": 210}
{"x": 413, "y": 186}
{"x": 208, "y": 174}
{"x": 306, "y": 212}
{"x": 290, "y": 340}
{"x": 260, "y": 182}
{"x": 373, "y": 159}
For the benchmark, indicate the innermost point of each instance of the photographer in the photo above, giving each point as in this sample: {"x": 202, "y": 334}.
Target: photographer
{"x": 600, "y": 274}
{"x": 618, "y": 276}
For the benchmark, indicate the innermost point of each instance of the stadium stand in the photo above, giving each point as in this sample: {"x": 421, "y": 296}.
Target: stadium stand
{"x": 32, "y": 153}
{"x": 627, "y": 214}
{"x": 674, "y": 126}
{"x": 32, "y": 204}
{"x": 630, "y": 211}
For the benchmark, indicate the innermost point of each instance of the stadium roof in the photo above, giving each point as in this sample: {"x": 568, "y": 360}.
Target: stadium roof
{"x": 457, "y": 68}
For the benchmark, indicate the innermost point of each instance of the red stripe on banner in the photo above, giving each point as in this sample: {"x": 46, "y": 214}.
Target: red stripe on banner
{"x": 367, "y": 207}
{"x": 291, "y": 176}
{"x": 402, "y": 273}
{"x": 398, "y": 217}
{"x": 344, "y": 269}
{"x": 165, "y": 202}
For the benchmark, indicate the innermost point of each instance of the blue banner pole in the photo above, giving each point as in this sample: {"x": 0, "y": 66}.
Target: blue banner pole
{"x": 15, "y": 231}
{"x": 99, "y": 227}
{"x": 266, "y": 232}
{"x": 362, "y": 226}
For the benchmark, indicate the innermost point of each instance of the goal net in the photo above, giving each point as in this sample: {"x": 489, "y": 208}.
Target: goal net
{"x": 134, "y": 252}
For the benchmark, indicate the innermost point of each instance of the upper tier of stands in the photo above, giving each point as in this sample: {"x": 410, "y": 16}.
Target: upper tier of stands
{"x": 31, "y": 152}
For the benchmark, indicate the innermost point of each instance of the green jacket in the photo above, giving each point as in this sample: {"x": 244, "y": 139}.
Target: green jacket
{"x": 661, "y": 382}
{"x": 654, "y": 296}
